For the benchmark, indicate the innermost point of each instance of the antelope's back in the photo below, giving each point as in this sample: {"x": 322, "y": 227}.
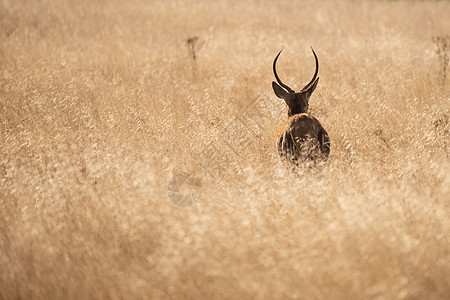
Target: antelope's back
{"x": 303, "y": 139}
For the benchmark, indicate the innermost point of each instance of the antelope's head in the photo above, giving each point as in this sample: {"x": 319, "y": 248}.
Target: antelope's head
{"x": 297, "y": 102}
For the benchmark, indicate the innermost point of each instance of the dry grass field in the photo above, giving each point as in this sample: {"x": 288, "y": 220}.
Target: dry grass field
{"x": 105, "y": 105}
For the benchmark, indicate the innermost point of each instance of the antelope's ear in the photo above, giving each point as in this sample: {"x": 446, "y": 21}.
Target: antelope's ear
{"x": 279, "y": 91}
{"x": 311, "y": 89}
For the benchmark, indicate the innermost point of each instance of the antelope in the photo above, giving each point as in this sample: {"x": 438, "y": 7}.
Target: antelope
{"x": 302, "y": 140}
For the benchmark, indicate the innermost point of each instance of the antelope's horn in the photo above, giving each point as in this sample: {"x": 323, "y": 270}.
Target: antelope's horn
{"x": 315, "y": 74}
{"x": 276, "y": 76}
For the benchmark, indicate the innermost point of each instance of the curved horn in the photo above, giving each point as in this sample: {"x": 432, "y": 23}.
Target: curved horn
{"x": 276, "y": 76}
{"x": 315, "y": 74}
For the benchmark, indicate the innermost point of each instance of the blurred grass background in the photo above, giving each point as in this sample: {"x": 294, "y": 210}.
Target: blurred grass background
{"x": 102, "y": 104}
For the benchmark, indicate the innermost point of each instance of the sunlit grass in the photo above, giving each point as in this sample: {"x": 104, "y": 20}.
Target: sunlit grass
{"x": 102, "y": 105}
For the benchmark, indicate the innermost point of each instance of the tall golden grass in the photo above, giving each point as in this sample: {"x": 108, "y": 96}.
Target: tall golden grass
{"x": 103, "y": 105}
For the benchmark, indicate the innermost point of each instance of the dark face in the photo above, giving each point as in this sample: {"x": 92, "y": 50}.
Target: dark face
{"x": 297, "y": 104}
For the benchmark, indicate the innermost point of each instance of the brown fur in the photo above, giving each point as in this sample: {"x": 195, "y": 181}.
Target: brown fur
{"x": 302, "y": 140}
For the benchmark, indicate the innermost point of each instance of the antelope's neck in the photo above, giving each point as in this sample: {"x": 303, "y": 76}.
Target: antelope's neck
{"x": 293, "y": 112}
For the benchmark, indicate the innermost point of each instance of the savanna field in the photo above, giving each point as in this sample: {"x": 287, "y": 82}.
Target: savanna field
{"x": 138, "y": 156}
